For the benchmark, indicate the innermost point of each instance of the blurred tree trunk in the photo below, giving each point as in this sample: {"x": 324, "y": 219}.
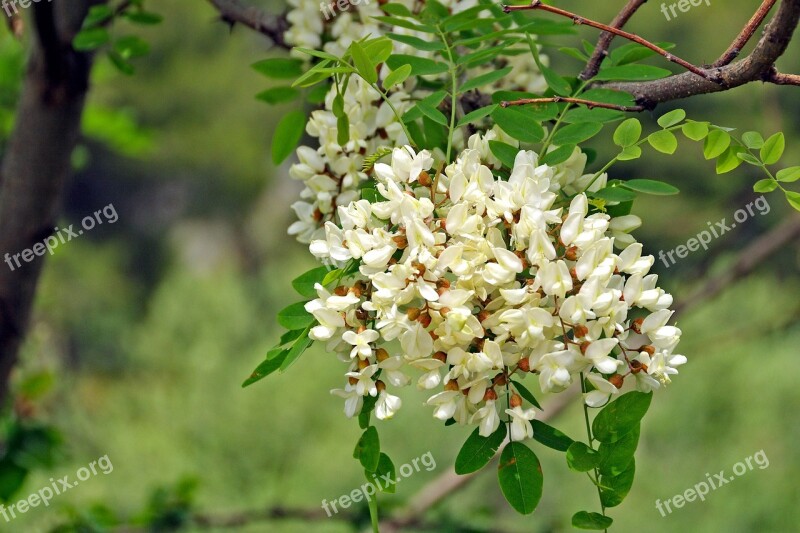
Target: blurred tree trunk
{"x": 37, "y": 162}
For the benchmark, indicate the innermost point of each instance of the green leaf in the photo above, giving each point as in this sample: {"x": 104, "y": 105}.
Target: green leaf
{"x": 378, "y": 50}
{"x": 599, "y": 114}
{"x": 397, "y": 9}
{"x": 628, "y": 133}
{"x": 416, "y": 42}
{"x": 403, "y": 23}
{"x": 613, "y": 489}
{"x": 632, "y": 73}
{"x": 266, "y": 368}
{"x": 525, "y": 393}
{"x": 287, "y": 134}
{"x": 396, "y": 77}
{"x": 131, "y": 46}
{"x": 362, "y": 63}
{"x": 558, "y": 156}
{"x": 664, "y": 141}
{"x": 518, "y": 125}
{"x": 650, "y": 187}
{"x": 716, "y": 143}
{"x": 788, "y": 175}
{"x": 342, "y": 129}
{"x": 420, "y": 66}
{"x": 615, "y": 194}
{"x": 753, "y": 140}
{"x": 671, "y": 118}
{"x": 504, "y": 152}
{"x": 476, "y": 115}
{"x": 617, "y": 456}
{"x": 695, "y": 131}
{"x": 143, "y": 17}
{"x": 304, "y": 283}
{"x": 576, "y": 133}
{"x": 97, "y": 15}
{"x": 368, "y": 449}
{"x": 520, "y": 477}
{"x": 432, "y": 113}
{"x": 550, "y": 436}
{"x": 587, "y": 520}
{"x": 366, "y": 409}
{"x": 385, "y": 470}
{"x": 120, "y": 62}
{"x": 621, "y": 416}
{"x": 295, "y": 316}
{"x": 484, "y": 79}
{"x": 278, "y": 95}
{"x": 297, "y": 349}
{"x": 280, "y": 68}
{"x": 747, "y": 157}
{"x": 629, "y": 153}
{"x": 477, "y": 451}
{"x": 90, "y": 39}
{"x": 581, "y": 457}
{"x": 793, "y": 198}
{"x": 729, "y": 160}
{"x": 765, "y": 185}
{"x": 773, "y": 148}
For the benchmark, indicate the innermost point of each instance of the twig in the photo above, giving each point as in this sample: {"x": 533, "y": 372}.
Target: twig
{"x": 783, "y": 79}
{"x": 601, "y": 49}
{"x": 577, "y": 19}
{"x": 579, "y": 101}
{"x": 232, "y": 12}
{"x": 757, "y": 66}
{"x": 747, "y": 33}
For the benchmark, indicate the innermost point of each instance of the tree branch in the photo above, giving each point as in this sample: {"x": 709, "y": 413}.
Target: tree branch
{"x": 233, "y": 12}
{"x": 577, "y": 19}
{"x": 579, "y": 101}
{"x": 601, "y": 49}
{"x": 750, "y": 28}
{"x": 758, "y": 66}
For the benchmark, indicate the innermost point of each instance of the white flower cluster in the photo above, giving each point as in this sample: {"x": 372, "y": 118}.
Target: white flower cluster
{"x": 331, "y": 173}
{"x": 468, "y": 279}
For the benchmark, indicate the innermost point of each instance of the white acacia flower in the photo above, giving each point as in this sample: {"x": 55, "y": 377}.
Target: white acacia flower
{"x": 602, "y": 393}
{"x": 487, "y": 418}
{"x": 360, "y": 342}
{"x": 387, "y": 405}
{"x": 521, "y": 427}
{"x": 352, "y": 400}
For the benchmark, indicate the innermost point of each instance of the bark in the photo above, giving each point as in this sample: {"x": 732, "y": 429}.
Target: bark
{"x": 37, "y": 163}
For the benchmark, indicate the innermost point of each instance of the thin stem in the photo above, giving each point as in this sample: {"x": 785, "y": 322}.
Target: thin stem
{"x": 591, "y": 445}
{"x": 747, "y": 33}
{"x": 560, "y": 118}
{"x": 453, "y": 92}
{"x": 604, "y": 41}
{"x": 578, "y": 101}
{"x": 372, "y": 502}
{"x": 537, "y": 4}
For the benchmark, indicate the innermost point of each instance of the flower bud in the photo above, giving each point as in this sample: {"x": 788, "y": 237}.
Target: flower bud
{"x": 490, "y": 394}
{"x": 649, "y": 348}
{"x": 636, "y": 325}
{"x": 341, "y": 290}
{"x": 585, "y": 346}
{"x": 425, "y": 320}
{"x": 524, "y": 364}
{"x": 425, "y": 179}
{"x": 571, "y": 254}
{"x": 362, "y": 364}
{"x": 361, "y": 314}
{"x": 451, "y": 385}
{"x": 380, "y": 385}
{"x": 352, "y": 380}
{"x": 401, "y": 241}
{"x": 483, "y": 315}
{"x": 636, "y": 366}
{"x": 516, "y": 400}
{"x": 381, "y": 355}
{"x": 442, "y": 283}
{"x": 440, "y": 356}
{"x": 580, "y": 331}
{"x": 412, "y": 313}
{"x": 616, "y": 380}
{"x": 499, "y": 380}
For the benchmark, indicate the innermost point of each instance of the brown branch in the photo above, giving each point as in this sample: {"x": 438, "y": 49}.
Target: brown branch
{"x": 601, "y": 49}
{"x": 783, "y": 79}
{"x": 747, "y": 33}
{"x": 579, "y": 101}
{"x": 577, "y": 19}
{"x": 758, "y": 66}
{"x": 233, "y": 12}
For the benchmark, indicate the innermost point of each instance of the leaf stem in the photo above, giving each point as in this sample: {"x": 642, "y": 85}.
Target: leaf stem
{"x": 453, "y": 92}
{"x": 591, "y": 440}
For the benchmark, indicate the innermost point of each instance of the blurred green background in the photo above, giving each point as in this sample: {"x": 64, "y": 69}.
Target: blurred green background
{"x": 150, "y": 325}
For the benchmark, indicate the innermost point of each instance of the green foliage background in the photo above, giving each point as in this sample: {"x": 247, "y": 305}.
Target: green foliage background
{"x": 151, "y": 324}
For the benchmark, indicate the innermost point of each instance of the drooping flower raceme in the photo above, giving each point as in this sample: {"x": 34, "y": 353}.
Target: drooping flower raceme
{"x": 465, "y": 279}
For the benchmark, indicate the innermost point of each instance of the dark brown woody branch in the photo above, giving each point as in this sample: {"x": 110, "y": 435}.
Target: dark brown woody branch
{"x": 747, "y": 33}
{"x": 577, "y": 19}
{"x": 233, "y": 12}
